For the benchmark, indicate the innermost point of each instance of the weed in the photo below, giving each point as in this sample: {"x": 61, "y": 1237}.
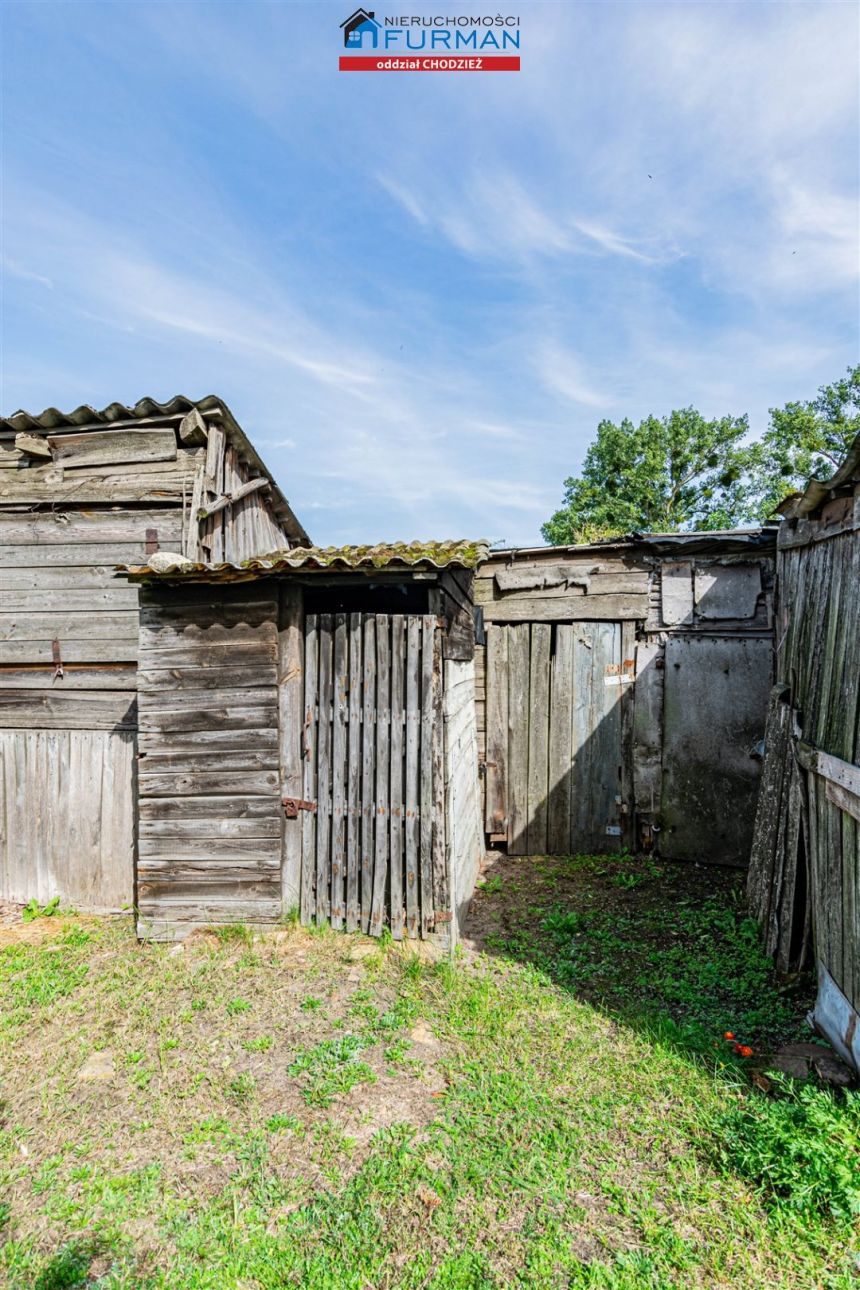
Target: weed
{"x": 70, "y": 1266}
{"x": 261, "y": 1044}
{"x": 310, "y": 1003}
{"x": 333, "y": 1068}
{"x": 801, "y": 1148}
{"x": 237, "y": 1006}
{"x": 33, "y": 909}
{"x": 233, "y": 934}
{"x": 241, "y": 1088}
{"x": 283, "y": 1124}
{"x": 493, "y": 885}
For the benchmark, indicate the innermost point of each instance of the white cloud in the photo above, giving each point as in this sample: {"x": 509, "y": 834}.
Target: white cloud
{"x": 563, "y": 374}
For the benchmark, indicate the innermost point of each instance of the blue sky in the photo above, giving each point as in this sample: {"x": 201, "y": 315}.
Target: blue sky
{"x": 420, "y": 293}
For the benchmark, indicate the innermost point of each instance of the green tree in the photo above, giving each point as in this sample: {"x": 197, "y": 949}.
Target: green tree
{"x": 803, "y": 440}
{"x": 667, "y": 473}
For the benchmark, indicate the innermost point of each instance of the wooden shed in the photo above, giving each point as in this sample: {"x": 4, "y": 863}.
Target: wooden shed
{"x": 78, "y": 493}
{"x": 308, "y": 739}
{"x": 622, "y": 693}
{"x": 805, "y": 874}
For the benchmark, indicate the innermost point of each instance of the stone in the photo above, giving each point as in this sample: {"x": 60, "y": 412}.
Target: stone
{"x": 795, "y": 1066}
{"x": 832, "y": 1070}
{"x": 98, "y": 1066}
{"x": 423, "y": 1036}
{"x": 363, "y": 950}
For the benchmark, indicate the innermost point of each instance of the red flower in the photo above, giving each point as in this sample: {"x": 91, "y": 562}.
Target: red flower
{"x": 729, "y": 1034}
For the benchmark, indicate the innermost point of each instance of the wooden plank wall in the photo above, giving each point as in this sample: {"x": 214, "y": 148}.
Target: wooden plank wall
{"x": 67, "y": 817}
{"x": 807, "y": 838}
{"x": 68, "y": 734}
{"x": 57, "y": 581}
{"x": 680, "y": 768}
{"x": 373, "y": 851}
{"x": 210, "y": 799}
{"x": 69, "y": 626}
{"x": 557, "y": 730}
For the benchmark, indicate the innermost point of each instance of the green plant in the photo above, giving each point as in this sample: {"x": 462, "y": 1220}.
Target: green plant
{"x": 240, "y": 1089}
{"x": 800, "y": 1148}
{"x": 333, "y": 1068}
{"x": 233, "y": 934}
{"x": 261, "y": 1044}
{"x": 283, "y": 1124}
{"x": 493, "y": 885}
{"x": 33, "y": 909}
{"x": 237, "y": 1006}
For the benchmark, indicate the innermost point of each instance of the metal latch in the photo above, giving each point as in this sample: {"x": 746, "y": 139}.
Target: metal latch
{"x": 292, "y": 806}
{"x": 57, "y": 658}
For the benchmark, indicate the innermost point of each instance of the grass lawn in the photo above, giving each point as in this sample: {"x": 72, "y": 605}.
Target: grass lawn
{"x": 557, "y": 1107}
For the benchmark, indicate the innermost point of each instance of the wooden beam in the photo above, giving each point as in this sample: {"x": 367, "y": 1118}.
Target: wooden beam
{"x": 109, "y": 447}
{"x": 290, "y": 692}
{"x": 227, "y": 499}
{"x": 572, "y": 608}
{"x": 35, "y": 445}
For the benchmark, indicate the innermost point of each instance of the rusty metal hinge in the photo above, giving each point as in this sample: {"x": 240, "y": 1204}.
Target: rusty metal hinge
{"x": 292, "y": 806}
{"x": 58, "y": 659}
{"x": 151, "y": 541}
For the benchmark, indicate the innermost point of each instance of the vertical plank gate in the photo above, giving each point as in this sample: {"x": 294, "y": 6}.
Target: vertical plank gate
{"x": 372, "y": 844}
{"x": 558, "y": 726}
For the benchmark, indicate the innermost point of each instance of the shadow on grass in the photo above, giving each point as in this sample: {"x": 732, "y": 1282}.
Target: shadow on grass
{"x": 667, "y": 949}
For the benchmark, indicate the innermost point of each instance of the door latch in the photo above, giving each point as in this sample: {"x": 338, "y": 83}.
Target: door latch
{"x": 292, "y": 806}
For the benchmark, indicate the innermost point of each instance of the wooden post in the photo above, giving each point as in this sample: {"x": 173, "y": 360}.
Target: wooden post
{"x": 290, "y": 681}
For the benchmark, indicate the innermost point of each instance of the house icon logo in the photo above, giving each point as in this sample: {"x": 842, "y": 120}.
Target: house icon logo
{"x": 357, "y": 26}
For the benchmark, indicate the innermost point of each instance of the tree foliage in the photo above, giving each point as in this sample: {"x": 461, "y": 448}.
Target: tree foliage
{"x": 665, "y": 473}
{"x": 684, "y": 471}
{"x": 802, "y": 441}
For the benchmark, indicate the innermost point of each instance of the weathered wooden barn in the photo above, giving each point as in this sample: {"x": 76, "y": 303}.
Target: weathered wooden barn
{"x": 622, "y": 693}
{"x": 307, "y": 739}
{"x": 218, "y": 736}
{"x": 78, "y": 493}
{"x": 804, "y": 880}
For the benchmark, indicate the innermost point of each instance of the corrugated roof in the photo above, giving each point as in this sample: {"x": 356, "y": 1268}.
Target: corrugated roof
{"x": 698, "y": 541}
{"x": 817, "y": 491}
{"x": 387, "y": 556}
{"x": 149, "y": 409}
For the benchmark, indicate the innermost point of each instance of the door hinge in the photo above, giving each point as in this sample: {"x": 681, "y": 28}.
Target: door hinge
{"x": 292, "y": 806}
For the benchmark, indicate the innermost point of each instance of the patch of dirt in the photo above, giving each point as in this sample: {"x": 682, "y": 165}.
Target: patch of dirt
{"x": 183, "y": 1056}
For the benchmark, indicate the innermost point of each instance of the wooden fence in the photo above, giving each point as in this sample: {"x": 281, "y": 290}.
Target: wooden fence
{"x": 372, "y": 763}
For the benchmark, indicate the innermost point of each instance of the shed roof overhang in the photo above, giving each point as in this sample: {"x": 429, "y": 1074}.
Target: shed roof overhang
{"x": 387, "y": 560}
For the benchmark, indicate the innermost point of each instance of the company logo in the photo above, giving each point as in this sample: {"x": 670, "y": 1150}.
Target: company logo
{"x": 358, "y": 26}
{"x": 457, "y": 42}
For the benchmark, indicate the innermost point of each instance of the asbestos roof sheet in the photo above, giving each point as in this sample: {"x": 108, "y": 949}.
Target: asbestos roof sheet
{"x": 150, "y": 410}
{"x": 389, "y": 557}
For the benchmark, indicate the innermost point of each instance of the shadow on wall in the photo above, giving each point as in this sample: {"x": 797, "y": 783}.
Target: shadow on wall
{"x": 612, "y": 745}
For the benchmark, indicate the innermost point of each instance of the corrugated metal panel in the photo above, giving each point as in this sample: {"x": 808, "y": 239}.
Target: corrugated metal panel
{"x": 699, "y": 542}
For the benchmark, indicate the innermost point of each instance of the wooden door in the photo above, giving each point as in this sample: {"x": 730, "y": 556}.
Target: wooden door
{"x": 373, "y": 847}
{"x": 558, "y": 713}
